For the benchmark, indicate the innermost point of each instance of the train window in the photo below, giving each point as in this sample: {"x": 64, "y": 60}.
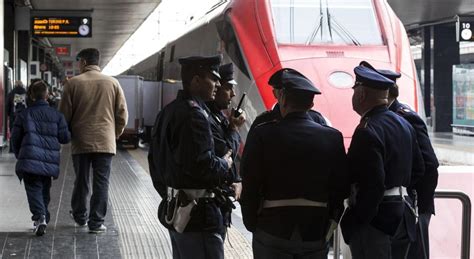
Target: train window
{"x": 231, "y": 45}
{"x": 315, "y": 22}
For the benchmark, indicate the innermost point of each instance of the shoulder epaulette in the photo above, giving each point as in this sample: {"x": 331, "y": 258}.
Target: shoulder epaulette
{"x": 363, "y": 123}
{"x": 404, "y": 111}
{"x": 266, "y": 123}
{"x": 264, "y": 113}
{"x": 193, "y": 104}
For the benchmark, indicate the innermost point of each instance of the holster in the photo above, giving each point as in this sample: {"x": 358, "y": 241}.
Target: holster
{"x": 180, "y": 204}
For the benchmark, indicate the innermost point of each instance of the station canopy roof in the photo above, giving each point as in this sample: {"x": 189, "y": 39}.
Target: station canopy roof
{"x": 417, "y": 13}
{"x": 113, "y": 22}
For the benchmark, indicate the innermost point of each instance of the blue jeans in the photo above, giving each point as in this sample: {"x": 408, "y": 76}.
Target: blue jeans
{"x": 37, "y": 191}
{"x": 197, "y": 245}
{"x": 268, "y": 246}
{"x": 101, "y": 164}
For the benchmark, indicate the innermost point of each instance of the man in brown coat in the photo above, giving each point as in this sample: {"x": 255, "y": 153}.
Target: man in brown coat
{"x": 96, "y": 111}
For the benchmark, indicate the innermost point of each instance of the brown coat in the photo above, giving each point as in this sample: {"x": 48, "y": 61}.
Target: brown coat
{"x": 96, "y": 111}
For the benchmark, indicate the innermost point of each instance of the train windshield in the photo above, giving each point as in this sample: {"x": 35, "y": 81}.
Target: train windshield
{"x": 315, "y": 22}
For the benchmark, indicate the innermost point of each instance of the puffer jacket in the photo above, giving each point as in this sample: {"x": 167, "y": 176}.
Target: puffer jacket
{"x": 37, "y": 134}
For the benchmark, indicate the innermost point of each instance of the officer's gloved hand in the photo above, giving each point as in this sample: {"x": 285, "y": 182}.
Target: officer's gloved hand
{"x": 228, "y": 158}
{"x": 236, "y": 122}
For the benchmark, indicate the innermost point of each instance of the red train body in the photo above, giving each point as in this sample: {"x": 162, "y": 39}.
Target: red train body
{"x": 324, "y": 40}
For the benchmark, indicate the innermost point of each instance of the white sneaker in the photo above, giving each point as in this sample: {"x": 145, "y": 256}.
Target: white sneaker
{"x": 75, "y": 222}
{"x": 97, "y": 230}
{"x": 39, "y": 226}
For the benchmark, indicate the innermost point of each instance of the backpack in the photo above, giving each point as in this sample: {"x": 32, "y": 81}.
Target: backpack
{"x": 19, "y": 103}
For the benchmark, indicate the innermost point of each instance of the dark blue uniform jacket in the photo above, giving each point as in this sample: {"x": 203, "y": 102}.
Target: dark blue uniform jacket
{"x": 275, "y": 115}
{"x": 37, "y": 134}
{"x": 383, "y": 154}
{"x": 293, "y": 158}
{"x": 224, "y": 138}
{"x": 426, "y": 186}
{"x": 182, "y": 156}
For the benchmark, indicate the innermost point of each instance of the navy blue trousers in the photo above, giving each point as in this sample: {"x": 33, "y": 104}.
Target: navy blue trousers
{"x": 37, "y": 191}
{"x": 266, "y": 246}
{"x": 101, "y": 164}
{"x": 197, "y": 245}
{"x": 422, "y": 239}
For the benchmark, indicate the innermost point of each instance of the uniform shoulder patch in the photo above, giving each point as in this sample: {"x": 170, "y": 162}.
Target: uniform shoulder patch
{"x": 404, "y": 111}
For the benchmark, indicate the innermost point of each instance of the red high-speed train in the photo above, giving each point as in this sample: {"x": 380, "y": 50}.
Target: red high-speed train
{"x": 323, "y": 39}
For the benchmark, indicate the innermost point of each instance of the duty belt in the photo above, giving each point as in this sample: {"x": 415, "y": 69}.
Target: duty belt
{"x": 402, "y": 192}
{"x": 191, "y": 193}
{"x": 293, "y": 202}
{"x": 396, "y": 191}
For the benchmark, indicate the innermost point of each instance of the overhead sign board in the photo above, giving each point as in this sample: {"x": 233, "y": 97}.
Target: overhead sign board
{"x": 465, "y": 28}
{"x": 69, "y": 27}
{"x": 62, "y": 50}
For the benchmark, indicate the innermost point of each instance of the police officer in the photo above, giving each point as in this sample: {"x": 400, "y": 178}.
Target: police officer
{"x": 384, "y": 159}
{"x": 426, "y": 186}
{"x": 226, "y": 136}
{"x": 274, "y": 114}
{"x": 184, "y": 166}
{"x": 294, "y": 177}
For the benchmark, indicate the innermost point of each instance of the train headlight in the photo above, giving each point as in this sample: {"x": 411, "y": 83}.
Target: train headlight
{"x": 341, "y": 79}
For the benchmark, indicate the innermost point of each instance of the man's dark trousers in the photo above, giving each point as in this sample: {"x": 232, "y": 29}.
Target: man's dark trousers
{"x": 101, "y": 164}
{"x": 37, "y": 191}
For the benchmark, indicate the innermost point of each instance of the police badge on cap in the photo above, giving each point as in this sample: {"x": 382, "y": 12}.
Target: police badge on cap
{"x": 209, "y": 63}
{"x": 371, "y": 78}
{"x": 227, "y": 74}
{"x": 290, "y": 79}
{"x": 392, "y": 75}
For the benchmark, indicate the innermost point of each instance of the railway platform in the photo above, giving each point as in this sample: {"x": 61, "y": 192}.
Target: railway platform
{"x": 133, "y": 230}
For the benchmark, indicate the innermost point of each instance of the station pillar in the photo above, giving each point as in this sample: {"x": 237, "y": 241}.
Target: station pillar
{"x": 426, "y": 68}
{"x": 445, "y": 55}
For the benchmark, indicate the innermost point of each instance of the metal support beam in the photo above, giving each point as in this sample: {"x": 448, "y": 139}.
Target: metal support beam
{"x": 466, "y": 217}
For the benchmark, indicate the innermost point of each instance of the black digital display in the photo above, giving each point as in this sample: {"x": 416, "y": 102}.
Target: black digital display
{"x": 67, "y": 27}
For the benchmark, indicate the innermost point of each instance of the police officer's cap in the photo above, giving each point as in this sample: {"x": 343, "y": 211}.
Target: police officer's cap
{"x": 290, "y": 79}
{"x": 227, "y": 74}
{"x": 371, "y": 78}
{"x": 210, "y": 63}
{"x": 392, "y": 75}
